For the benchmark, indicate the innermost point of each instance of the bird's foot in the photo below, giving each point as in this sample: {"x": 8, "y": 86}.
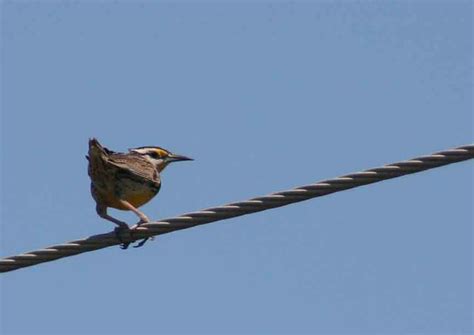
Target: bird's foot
{"x": 142, "y": 242}
{"x": 143, "y": 219}
{"x": 118, "y": 234}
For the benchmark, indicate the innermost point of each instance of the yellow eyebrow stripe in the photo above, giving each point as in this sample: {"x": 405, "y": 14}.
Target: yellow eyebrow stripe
{"x": 162, "y": 153}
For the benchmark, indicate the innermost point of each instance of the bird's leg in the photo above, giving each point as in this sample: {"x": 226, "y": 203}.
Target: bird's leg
{"x": 140, "y": 214}
{"x": 102, "y": 211}
{"x": 122, "y": 226}
{"x": 143, "y": 219}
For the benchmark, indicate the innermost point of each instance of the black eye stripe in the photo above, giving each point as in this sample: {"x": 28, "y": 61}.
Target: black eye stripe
{"x": 154, "y": 155}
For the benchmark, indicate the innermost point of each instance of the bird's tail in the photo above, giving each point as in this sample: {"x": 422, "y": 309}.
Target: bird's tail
{"x": 96, "y": 150}
{"x": 98, "y": 157}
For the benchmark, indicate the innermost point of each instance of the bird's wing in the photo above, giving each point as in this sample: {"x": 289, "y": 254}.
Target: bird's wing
{"x": 133, "y": 167}
{"x": 125, "y": 165}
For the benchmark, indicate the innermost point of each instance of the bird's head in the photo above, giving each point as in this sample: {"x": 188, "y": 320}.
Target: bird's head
{"x": 159, "y": 157}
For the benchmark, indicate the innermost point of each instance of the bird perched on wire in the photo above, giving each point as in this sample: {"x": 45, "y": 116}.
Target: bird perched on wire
{"x": 126, "y": 181}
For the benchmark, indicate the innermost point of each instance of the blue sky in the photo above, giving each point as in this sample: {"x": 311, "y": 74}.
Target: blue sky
{"x": 265, "y": 96}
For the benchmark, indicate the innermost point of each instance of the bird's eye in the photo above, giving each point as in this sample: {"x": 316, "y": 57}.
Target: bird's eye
{"x": 154, "y": 155}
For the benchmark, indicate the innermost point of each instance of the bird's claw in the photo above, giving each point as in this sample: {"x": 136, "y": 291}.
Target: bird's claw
{"x": 124, "y": 245}
{"x": 139, "y": 223}
{"x": 141, "y": 243}
{"x": 118, "y": 234}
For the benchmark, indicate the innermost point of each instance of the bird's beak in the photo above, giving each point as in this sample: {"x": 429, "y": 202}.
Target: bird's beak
{"x": 177, "y": 158}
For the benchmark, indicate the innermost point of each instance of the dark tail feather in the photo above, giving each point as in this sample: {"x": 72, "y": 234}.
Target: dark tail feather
{"x": 96, "y": 149}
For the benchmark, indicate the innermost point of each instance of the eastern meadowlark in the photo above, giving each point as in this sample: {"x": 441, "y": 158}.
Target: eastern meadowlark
{"x": 126, "y": 181}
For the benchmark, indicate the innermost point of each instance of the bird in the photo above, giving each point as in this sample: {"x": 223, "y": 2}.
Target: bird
{"x": 126, "y": 181}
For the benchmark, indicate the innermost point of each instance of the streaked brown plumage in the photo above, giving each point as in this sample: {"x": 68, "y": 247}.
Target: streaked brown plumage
{"x": 126, "y": 181}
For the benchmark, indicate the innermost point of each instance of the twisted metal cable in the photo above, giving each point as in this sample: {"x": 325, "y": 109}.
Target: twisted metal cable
{"x": 231, "y": 210}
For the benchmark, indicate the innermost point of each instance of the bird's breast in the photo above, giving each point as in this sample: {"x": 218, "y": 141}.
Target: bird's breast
{"x": 136, "y": 193}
